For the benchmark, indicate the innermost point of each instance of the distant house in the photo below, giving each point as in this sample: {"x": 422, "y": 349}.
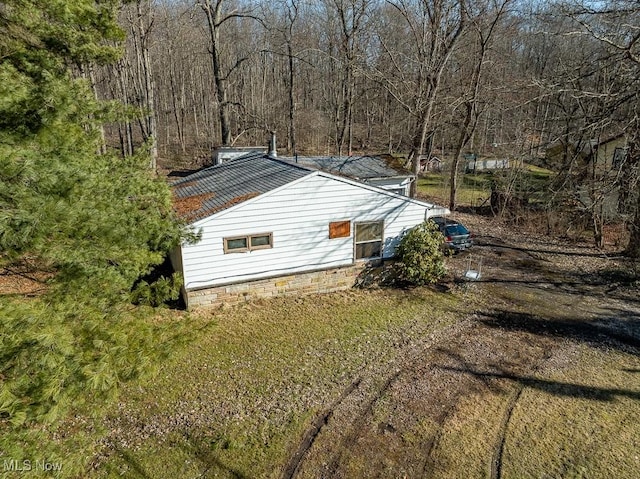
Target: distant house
{"x": 226, "y": 153}
{"x": 598, "y": 168}
{"x": 607, "y": 153}
{"x": 611, "y": 152}
{"x": 271, "y": 227}
{"x": 486, "y": 164}
{"x": 383, "y": 171}
{"x": 430, "y": 164}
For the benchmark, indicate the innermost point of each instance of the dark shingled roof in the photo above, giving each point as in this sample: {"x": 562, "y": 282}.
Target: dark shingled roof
{"x": 357, "y": 167}
{"x": 219, "y": 187}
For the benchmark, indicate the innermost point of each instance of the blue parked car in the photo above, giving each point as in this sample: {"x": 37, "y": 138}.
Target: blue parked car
{"x": 456, "y": 236}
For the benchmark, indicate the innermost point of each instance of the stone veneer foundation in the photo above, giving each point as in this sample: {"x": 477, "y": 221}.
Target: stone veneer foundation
{"x": 324, "y": 281}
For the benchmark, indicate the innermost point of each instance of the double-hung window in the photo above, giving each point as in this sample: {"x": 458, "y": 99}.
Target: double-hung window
{"x": 368, "y": 239}
{"x": 242, "y": 244}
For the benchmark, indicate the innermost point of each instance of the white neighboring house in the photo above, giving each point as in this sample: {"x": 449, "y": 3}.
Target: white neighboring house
{"x": 487, "y": 164}
{"x": 261, "y": 217}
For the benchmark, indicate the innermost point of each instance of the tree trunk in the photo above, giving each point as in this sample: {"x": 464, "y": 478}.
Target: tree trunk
{"x": 418, "y": 146}
{"x": 472, "y": 112}
{"x": 140, "y": 22}
{"x": 633, "y": 248}
{"x": 214, "y": 19}
{"x": 292, "y": 103}
{"x": 102, "y": 149}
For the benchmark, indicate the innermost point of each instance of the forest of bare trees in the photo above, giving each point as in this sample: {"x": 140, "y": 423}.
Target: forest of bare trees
{"x": 344, "y": 76}
{"x": 503, "y": 78}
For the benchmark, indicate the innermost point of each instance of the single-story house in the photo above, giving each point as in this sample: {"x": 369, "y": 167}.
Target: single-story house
{"x": 430, "y": 164}
{"x": 486, "y": 164}
{"x": 270, "y": 227}
{"x": 383, "y": 171}
{"x": 598, "y": 167}
{"x": 608, "y": 153}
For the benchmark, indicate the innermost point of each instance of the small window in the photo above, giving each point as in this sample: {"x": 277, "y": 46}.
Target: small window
{"x": 261, "y": 241}
{"x": 242, "y": 244}
{"x": 235, "y": 245}
{"x": 339, "y": 229}
{"x": 368, "y": 240}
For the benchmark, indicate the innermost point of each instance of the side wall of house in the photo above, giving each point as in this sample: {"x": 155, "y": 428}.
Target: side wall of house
{"x": 298, "y": 217}
{"x": 397, "y": 185}
{"x": 606, "y": 151}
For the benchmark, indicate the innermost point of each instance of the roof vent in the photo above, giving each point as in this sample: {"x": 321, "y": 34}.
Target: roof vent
{"x": 272, "y": 145}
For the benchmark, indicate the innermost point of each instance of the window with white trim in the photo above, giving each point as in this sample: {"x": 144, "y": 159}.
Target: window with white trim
{"x": 242, "y": 244}
{"x": 368, "y": 239}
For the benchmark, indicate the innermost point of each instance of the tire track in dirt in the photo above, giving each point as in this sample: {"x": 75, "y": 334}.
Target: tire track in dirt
{"x": 496, "y": 462}
{"x": 293, "y": 466}
{"x": 432, "y": 444}
{"x": 408, "y": 353}
{"x": 417, "y": 361}
{"x": 359, "y": 424}
{"x": 411, "y": 366}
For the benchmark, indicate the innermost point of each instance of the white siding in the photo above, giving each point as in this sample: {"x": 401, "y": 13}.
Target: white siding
{"x": 397, "y": 185}
{"x": 481, "y": 165}
{"x": 298, "y": 215}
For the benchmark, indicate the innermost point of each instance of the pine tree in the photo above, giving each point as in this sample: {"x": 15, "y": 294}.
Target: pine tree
{"x": 95, "y": 222}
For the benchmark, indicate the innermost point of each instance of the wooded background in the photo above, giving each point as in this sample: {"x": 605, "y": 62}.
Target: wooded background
{"x": 502, "y": 78}
{"x": 355, "y": 76}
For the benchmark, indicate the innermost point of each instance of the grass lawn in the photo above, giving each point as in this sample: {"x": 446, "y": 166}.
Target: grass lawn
{"x": 472, "y": 190}
{"x": 237, "y": 399}
{"x": 243, "y": 385}
{"x": 475, "y": 188}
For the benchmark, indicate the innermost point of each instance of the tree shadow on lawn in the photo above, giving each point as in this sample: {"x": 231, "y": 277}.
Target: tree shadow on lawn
{"x": 616, "y": 331}
{"x": 204, "y": 450}
{"x": 492, "y": 242}
{"x": 199, "y": 449}
{"x": 555, "y": 388}
{"x": 582, "y": 284}
{"x": 619, "y": 330}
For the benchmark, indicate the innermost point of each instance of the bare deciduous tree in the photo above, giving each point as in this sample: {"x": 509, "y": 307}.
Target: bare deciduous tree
{"x": 217, "y": 16}
{"x": 413, "y": 70}
{"x": 484, "y": 17}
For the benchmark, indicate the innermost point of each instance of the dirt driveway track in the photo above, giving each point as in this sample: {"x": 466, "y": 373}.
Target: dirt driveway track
{"x": 448, "y": 405}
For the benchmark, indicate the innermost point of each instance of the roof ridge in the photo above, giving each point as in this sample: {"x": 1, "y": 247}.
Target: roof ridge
{"x": 289, "y": 163}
